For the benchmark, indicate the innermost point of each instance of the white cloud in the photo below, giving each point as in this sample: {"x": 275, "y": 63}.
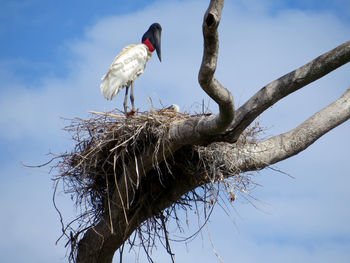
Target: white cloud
{"x": 255, "y": 49}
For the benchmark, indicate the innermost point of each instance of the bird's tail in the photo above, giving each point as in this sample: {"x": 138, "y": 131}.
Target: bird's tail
{"x": 110, "y": 86}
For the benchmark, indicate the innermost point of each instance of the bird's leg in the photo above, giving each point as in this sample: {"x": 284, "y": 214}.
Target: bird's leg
{"x": 132, "y": 96}
{"x": 126, "y": 100}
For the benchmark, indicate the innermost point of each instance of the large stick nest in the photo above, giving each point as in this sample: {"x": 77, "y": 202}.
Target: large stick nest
{"x": 106, "y": 143}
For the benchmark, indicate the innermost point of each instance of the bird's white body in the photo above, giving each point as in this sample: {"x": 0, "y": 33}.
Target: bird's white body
{"x": 174, "y": 107}
{"x": 126, "y": 67}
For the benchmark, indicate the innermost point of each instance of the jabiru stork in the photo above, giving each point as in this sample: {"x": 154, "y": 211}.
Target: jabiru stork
{"x": 130, "y": 64}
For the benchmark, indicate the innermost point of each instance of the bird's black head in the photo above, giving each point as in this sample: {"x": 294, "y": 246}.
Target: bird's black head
{"x": 153, "y": 35}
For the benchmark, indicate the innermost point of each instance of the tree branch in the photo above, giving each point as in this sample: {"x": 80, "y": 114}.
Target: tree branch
{"x": 196, "y": 130}
{"x": 283, "y": 146}
{"x": 206, "y": 73}
{"x": 284, "y": 86}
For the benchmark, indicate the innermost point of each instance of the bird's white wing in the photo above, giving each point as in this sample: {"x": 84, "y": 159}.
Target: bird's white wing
{"x": 126, "y": 67}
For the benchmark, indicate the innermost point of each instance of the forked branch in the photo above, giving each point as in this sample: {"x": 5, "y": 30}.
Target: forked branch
{"x": 285, "y": 85}
{"x": 283, "y": 146}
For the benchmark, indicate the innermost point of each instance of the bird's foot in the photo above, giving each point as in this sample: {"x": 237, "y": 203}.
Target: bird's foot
{"x": 130, "y": 113}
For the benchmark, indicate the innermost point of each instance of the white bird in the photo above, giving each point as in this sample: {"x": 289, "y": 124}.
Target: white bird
{"x": 130, "y": 64}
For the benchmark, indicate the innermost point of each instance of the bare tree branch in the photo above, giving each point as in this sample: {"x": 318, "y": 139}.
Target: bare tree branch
{"x": 284, "y": 86}
{"x": 285, "y": 145}
{"x": 206, "y": 73}
{"x": 198, "y": 129}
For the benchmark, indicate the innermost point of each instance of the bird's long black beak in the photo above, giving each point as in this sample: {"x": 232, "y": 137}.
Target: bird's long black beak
{"x": 154, "y": 35}
{"x": 157, "y": 44}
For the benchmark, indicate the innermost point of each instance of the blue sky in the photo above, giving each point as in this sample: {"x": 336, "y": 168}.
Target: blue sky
{"x": 53, "y": 54}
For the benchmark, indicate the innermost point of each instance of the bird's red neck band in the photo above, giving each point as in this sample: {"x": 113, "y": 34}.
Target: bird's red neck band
{"x": 149, "y": 45}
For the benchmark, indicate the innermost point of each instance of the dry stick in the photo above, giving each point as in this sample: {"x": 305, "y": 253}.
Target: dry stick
{"x": 137, "y": 172}
{"x": 125, "y": 182}
{"x": 168, "y": 248}
{"x": 212, "y": 244}
{"x": 81, "y": 162}
{"x": 109, "y": 206}
{"x": 119, "y": 194}
{"x": 121, "y": 251}
{"x": 92, "y": 224}
{"x": 107, "y": 114}
{"x": 58, "y": 211}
